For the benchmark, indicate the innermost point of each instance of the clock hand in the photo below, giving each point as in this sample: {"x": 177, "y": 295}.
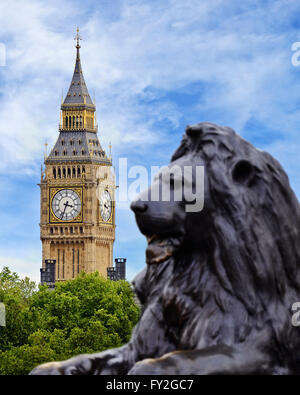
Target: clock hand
{"x": 66, "y": 205}
{"x": 64, "y": 210}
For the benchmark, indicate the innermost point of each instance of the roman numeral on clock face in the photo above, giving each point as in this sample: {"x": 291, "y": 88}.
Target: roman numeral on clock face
{"x": 105, "y": 206}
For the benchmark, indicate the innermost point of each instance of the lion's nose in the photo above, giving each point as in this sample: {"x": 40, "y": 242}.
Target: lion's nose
{"x": 138, "y": 206}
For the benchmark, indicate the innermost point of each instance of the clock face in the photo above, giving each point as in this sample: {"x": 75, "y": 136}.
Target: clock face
{"x": 105, "y": 206}
{"x": 66, "y": 205}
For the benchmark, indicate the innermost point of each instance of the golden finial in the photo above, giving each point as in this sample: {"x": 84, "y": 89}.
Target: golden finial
{"x": 77, "y": 38}
{"x": 46, "y": 149}
{"x": 109, "y": 150}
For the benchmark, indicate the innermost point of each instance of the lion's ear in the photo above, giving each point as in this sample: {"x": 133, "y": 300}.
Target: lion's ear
{"x": 195, "y": 131}
{"x": 243, "y": 171}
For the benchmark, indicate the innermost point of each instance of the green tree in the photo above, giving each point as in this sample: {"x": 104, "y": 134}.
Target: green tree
{"x": 84, "y": 315}
{"x": 15, "y": 293}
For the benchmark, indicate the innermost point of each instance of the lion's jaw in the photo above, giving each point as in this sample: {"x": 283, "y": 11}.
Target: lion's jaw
{"x": 163, "y": 225}
{"x": 160, "y": 249}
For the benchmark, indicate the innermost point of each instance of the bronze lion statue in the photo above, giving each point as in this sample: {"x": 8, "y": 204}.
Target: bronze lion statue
{"x": 219, "y": 283}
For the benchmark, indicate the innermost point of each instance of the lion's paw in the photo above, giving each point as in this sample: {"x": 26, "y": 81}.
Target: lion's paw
{"x": 48, "y": 369}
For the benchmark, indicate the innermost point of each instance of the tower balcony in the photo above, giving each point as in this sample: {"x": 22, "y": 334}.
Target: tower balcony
{"x": 78, "y": 128}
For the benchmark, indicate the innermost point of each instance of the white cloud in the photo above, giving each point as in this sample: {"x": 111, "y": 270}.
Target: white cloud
{"x": 23, "y": 266}
{"x": 162, "y": 45}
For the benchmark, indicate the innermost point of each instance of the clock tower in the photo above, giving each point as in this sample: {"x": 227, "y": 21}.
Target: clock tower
{"x": 77, "y": 186}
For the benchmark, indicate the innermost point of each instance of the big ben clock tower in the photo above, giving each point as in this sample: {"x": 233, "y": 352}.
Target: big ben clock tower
{"x": 77, "y": 190}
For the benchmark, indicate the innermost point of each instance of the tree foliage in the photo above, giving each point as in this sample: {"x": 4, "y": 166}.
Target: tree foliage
{"x": 84, "y": 315}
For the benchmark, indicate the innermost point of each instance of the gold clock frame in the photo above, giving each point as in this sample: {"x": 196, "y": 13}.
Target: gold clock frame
{"x": 52, "y": 192}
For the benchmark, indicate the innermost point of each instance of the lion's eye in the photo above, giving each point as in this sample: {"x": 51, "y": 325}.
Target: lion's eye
{"x": 242, "y": 171}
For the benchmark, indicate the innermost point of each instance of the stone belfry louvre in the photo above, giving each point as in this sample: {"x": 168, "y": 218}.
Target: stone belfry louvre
{"x": 77, "y": 222}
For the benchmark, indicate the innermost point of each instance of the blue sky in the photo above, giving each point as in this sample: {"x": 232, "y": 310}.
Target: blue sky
{"x": 155, "y": 66}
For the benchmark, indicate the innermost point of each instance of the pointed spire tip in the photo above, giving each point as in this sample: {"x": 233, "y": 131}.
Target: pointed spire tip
{"x": 77, "y": 38}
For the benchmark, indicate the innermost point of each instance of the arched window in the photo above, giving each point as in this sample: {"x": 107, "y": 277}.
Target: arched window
{"x": 73, "y": 121}
{"x": 83, "y": 152}
{"x": 69, "y": 172}
{"x": 78, "y": 171}
{"x": 66, "y": 122}
{"x": 59, "y": 173}
{"x": 54, "y": 172}
{"x": 77, "y": 122}
{"x": 74, "y": 172}
{"x": 70, "y": 121}
{"x": 64, "y": 172}
{"x": 80, "y": 122}
{"x": 56, "y": 153}
{"x": 65, "y": 152}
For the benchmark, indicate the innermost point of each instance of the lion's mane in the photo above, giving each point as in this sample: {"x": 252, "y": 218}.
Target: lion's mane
{"x": 241, "y": 286}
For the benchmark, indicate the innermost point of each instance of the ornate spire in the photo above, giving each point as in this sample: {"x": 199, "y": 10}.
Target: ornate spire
{"x": 77, "y": 38}
{"x": 78, "y": 140}
{"x": 78, "y": 93}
